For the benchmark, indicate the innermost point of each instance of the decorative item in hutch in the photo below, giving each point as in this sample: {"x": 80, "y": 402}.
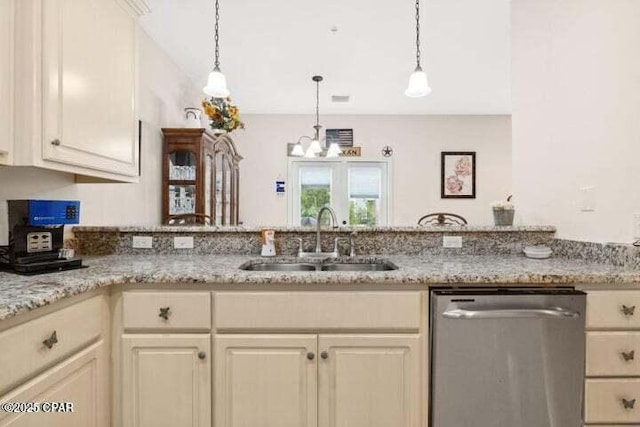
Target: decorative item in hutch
{"x": 200, "y": 178}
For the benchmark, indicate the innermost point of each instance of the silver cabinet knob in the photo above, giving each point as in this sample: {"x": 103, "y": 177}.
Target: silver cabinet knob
{"x": 51, "y": 341}
{"x": 628, "y": 356}
{"x": 164, "y": 312}
{"x": 628, "y": 404}
{"x": 324, "y": 355}
{"x": 56, "y": 142}
{"x": 628, "y": 310}
{"x": 202, "y": 355}
{"x": 310, "y": 356}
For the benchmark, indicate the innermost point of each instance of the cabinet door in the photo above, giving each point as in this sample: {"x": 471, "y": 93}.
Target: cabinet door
{"x": 369, "y": 381}
{"x": 7, "y": 20}
{"x": 265, "y": 380}
{"x": 88, "y": 85}
{"x": 166, "y": 381}
{"x": 81, "y": 380}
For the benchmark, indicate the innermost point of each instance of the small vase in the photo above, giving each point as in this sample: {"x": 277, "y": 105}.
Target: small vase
{"x": 503, "y": 217}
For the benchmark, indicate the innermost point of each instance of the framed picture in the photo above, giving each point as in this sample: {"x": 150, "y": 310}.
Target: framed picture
{"x": 458, "y": 180}
{"x": 342, "y": 137}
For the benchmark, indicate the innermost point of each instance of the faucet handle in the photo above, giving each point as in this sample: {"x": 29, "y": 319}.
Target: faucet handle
{"x": 336, "y": 250}
{"x": 299, "y": 240}
{"x": 352, "y": 243}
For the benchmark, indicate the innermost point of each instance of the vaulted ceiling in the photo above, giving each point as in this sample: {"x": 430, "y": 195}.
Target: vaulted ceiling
{"x": 363, "y": 48}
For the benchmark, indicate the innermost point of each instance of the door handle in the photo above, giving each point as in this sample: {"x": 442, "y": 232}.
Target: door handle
{"x": 628, "y": 404}
{"x": 530, "y": 313}
{"x": 628, "y": 311}
{"x": 628, "y": 356}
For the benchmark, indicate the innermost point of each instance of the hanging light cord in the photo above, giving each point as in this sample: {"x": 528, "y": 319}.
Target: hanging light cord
{"x": 418, "y": 33}
{"x": 317, "y": 103}
{"x": 217, "y": 61}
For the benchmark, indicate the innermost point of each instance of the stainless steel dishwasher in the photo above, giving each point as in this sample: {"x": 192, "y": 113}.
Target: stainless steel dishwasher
{"x": 507, "y": 358}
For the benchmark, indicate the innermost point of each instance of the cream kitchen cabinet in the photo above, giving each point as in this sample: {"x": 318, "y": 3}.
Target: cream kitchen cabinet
{"x": 164, "y": 371}
{"x": 266, "y": 380}
{"x": 75, "y": 72}
{"x": 7, "y": 8}
{"x": 612, "y": 386}
{"x": 81, "y": 381}
{"x": 317, "y": 380}
{"x": 166, "y": 380}
{"x": 324, "y": 359}
{"x": 58, "y": 354}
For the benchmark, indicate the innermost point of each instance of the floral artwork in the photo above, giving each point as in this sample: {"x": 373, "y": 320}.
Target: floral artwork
{"x": 458, "y": 175}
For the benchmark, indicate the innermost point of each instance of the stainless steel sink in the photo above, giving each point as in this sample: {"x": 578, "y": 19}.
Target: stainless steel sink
{"x": 385, "y": 266}
{"x": 346, "y": 266}
{"x": 279, "y": 267}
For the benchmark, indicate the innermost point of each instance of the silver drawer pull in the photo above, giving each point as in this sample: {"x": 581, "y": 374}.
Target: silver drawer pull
{"x": 628, "y": 404}
{"x": 51, "y": 341}
{"x": 628, "y": 311}
{"x": 164, "y": 312}
{"x": 628, "y": 356}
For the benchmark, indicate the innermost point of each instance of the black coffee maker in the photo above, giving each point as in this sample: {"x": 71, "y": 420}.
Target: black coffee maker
{"x": 32, "y": 235}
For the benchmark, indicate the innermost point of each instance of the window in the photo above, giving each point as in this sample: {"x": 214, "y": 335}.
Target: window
{"x": 357, "y": 190}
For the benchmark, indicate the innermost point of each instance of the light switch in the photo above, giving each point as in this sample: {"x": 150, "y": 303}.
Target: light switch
{"x": 588, "y": 199}
{"x": 183, "y": 242}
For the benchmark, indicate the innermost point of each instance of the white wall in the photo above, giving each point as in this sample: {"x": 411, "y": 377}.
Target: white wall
{"x": 417, "y": 142}
{"x": 576, "y": 114}
{"x": 163, "y": 91}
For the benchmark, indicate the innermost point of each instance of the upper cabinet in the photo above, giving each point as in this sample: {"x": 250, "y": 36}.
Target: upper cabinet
{"x": 75, "y": 75}
{"x": 6, "y": 79}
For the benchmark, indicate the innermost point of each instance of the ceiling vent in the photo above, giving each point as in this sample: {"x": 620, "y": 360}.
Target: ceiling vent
{"x": 340, "y": 98}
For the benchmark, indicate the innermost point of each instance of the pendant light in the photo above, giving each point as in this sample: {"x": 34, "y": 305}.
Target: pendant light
{"x": 315, "y": 146}
{"x": 418, "y": 84}
{"x": 217, "y": 83}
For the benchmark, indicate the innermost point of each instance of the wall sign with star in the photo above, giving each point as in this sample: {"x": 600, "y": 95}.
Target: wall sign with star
{"x": 387, "y": 151}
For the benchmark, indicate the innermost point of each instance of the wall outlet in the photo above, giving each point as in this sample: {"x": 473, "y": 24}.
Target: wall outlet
{"x": 588, "y": 199}
{"x": 452, "y": 242}
{"x": 142, "y": 242}
{"x": 183, "y": 242}
{"x": 636, "y": 225}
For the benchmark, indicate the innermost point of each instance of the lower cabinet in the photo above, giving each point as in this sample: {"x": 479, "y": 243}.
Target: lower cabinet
{"x": 166, "y": 380}
{"x": 317, "y": 380}
{"x": 80, "y": 380}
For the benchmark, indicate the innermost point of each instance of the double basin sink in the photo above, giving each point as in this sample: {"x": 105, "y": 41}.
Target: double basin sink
{"x": 348, "y": 265}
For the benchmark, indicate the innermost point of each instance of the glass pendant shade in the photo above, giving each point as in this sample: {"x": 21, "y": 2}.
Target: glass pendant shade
{"x": 418, "y": 84}
{"x": 315, "y": 146}
{"x": 216, "y": 85}
{"x": 334, "y": 150}
{"x": 309, "y": 154}
{"x": 297, "y": 151}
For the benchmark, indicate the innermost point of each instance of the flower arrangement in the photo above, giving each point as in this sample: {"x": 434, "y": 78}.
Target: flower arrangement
{"x": 503, "y": 205}
{"x": 223, "y": 114}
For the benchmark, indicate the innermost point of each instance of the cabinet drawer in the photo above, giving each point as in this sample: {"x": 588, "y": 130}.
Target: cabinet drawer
{"x": 611, "y": 354}
{"x": 613, "y": 309}
{"x": 605, "y": 401}
{"x": 23, "y": 352}
{"x": 167, "y": 310}
{"x": 317, "y": 310}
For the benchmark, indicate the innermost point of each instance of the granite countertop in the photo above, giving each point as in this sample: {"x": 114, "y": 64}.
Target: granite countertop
{"x": 299, "y": 229}
{"x": 19, "y": 294}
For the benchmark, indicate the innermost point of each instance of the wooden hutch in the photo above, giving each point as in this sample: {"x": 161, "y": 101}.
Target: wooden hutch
{"x": 200, "y": 178}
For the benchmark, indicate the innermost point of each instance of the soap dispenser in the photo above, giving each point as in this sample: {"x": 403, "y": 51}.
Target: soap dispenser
{"x": 268, "y": 242}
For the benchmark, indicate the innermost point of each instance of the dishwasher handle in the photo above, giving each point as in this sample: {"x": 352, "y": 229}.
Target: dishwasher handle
{"x": 512, "y": 313}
